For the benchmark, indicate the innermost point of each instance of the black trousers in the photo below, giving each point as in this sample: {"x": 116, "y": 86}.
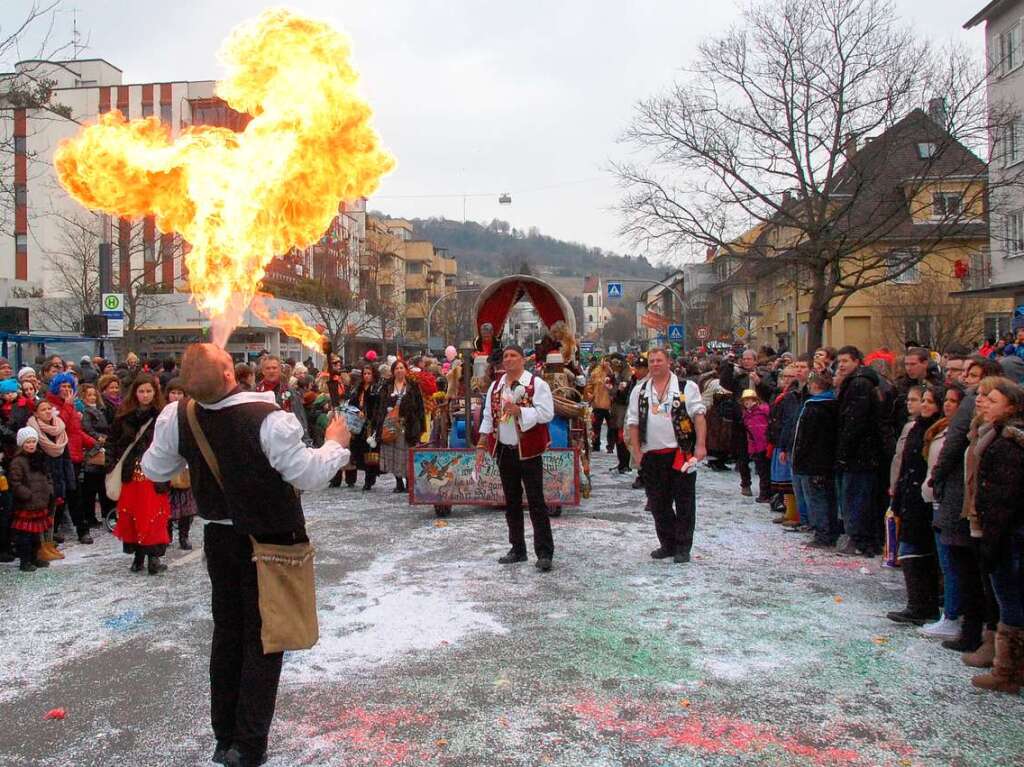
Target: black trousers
{"x": 370, "y": 476}
{"x": 515, "y": 474}
{"x": 743, "y": 462}
{"x": 977, "y": 601}
{"x": 763, "y": 465}
{"x": 243, "y": 681}
{"x": 93, "y": 489}
{"x": 25, "y": 545}
{"x": 601, "y": 416}
{"x": 668, "y": 487}
{"x": 6, "y": 514}
{"x": 622, "y": 453}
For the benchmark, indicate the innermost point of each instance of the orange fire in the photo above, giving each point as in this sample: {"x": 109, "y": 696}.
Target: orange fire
{"x": 240, "y": 199}
{"x": 291, "y": 324}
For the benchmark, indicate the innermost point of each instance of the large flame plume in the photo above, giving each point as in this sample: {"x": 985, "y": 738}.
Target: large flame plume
{"x": 240, "y": 199}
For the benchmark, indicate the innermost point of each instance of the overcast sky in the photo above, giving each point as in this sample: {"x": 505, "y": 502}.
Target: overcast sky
{"x": 477, "y": 97}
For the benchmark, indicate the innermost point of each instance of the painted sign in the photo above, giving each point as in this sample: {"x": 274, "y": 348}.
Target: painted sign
{"x": 444, "y": 476}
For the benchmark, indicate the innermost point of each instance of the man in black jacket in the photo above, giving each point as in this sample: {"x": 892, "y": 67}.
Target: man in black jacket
{"x": 813, "y": 457}
{"x": 860, "y": 448}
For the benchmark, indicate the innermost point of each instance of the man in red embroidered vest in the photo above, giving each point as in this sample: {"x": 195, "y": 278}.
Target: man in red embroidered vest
{"x": 514, "y": 430}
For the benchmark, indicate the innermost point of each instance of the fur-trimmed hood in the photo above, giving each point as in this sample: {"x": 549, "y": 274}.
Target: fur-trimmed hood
{"x": 1014, "y": 430}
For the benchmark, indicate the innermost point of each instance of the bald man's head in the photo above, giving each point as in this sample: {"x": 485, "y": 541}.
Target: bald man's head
{"x": 207, "y": 372}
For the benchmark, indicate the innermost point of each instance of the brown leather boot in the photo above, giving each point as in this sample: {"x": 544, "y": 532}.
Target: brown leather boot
{"x": 48, "y": 552}
{"x": 984, "y": 655}
{"x": 1009, "y": 662}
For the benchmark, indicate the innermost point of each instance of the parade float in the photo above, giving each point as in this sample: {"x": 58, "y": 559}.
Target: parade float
{"x": 442, "y": 474}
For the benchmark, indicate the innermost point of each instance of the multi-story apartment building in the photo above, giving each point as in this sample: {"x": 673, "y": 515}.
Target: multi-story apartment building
{"x": 1004, "y": 31}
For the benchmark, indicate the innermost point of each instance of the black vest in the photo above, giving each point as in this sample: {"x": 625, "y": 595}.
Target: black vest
{"x": 257, "y": 500}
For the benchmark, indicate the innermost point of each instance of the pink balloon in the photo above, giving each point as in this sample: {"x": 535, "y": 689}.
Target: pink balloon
{"x": 450, "y": 353}
{"x": 371, "y": 356}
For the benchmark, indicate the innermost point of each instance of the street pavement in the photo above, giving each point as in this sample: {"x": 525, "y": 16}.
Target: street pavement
{"x": 758, "y": 652}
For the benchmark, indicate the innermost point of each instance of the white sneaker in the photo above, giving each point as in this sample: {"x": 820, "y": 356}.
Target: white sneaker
{"x": 941, "y": 629}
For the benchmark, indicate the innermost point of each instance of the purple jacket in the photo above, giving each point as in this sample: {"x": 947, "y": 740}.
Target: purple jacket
{"x": 755, "y": 420}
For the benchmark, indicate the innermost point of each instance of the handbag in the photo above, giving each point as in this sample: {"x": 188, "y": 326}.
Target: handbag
{"x": 284, "y": 574}
{"x": 181, "y": 480}
{"x": 112, "y": 481}
{"x": 392, "y": 427}
{"x": 98, "y": 457}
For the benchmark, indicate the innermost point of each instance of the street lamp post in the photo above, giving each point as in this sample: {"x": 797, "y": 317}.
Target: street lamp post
{"x": 433, "y": 306}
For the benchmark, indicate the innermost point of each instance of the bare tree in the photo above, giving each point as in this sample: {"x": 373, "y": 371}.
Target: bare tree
{"x": 381, "y": 281}
{"x": 621, "y": 326}
{"x": 334, "y": 307}
{"x": 926, "y": 314}
{"x": 74, "y": 284}
{"x": 763, "y": 133}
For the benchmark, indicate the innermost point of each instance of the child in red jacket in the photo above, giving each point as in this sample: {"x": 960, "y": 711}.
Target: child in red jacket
{"x": 755, "y": 420}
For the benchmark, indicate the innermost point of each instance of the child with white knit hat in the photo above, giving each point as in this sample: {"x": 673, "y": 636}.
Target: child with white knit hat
{"x": 32, "y": 491}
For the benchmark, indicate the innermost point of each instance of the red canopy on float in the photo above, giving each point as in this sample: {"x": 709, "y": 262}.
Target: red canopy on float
{"x": 498, "y": 298}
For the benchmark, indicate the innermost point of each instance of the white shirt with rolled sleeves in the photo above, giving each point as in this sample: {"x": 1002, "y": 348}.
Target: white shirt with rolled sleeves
{"x": 303, "y": 467}
{"x": 543, "y": 410}
{"x": 660, "y": 434}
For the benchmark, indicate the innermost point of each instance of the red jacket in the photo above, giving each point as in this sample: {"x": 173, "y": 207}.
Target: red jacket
{"x": 78, "y": 440}
{"x": 427, "y": 383}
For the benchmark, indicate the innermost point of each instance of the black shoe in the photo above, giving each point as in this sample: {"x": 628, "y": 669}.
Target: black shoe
{"x": 138, "y": 563}
{"x": 27, "y": 567}
{"x": 638, "y": 484}
{"x": 544, "y": 564}
{"x": 85, "y": 538}
{"x": 219, "y": 751}
{"x": 820, "y": 545}
{"x": 156, "y": 566}
{"x": 367, "y": 487}
{"x": 681, "y": 557}
{"x": 512, "y": 557}
{"x": 235, "y": 758}
{"x": 94, "y": 523}
{"x": 661, "y": 553}
{"x": 399, "y": 486}
{"x": 962, "y": 644}
{"x": 6, "y": 556}
{"x": 41, "y": 563}
{"x": 185, "y": 544}
{"x": 914, "y": 617}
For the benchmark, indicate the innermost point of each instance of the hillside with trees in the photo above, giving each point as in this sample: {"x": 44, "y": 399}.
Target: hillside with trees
{"x": 498, "y": 248}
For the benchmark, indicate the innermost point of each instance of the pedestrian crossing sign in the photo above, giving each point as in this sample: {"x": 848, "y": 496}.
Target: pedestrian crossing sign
{"x": 675, "y": 333}
{"x": 614, "y": 289}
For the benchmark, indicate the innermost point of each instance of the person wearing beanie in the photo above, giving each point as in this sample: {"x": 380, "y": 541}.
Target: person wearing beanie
{"x": 61, "y": 396}
{"x": 27, "y": 373}
{"x": 31, "y": 490}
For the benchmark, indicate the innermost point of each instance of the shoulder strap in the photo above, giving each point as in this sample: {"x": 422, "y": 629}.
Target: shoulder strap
{"x": 203, "y": 443}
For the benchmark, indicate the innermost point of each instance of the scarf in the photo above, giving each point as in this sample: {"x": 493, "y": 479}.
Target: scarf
{"x": 935, "y": 430}
{"x": 53, "y": 436}
{"x": 115, "y": 401}
{"x": 982, "y": 435}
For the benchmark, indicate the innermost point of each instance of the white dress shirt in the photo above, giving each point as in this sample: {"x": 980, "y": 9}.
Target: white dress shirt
{"x": 303, "y": 467}
{"x": 660, "y": 433}
{"x": 543, "y": 409}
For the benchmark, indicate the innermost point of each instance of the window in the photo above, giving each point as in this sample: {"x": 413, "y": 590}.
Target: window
{"x": 147, "y": 109}
{"x": 1013, "y": 142}
{"x": 897, "y": 270}
{"x": 590, "y": 300}
{"x": 165, "y": 114}
{"x": 1015, "y": 234}
{"x": 21, "y": 243}
{"x": 149, "y": 251}
{"x": 414, "y": 267}
{"x": 414, "y": 325}
{"x": 20, "y": 145}
{"x": 20, "y": 195}
{"x": 1009, "y": 49}
{"x": 919, "y": 330}
{"x": 946, "y": 204}
{"x": 997, "y": 325}
{"x": 926, "y": 150}
{"x": 415, "y": 296}
{"x": 590, "y": 317}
